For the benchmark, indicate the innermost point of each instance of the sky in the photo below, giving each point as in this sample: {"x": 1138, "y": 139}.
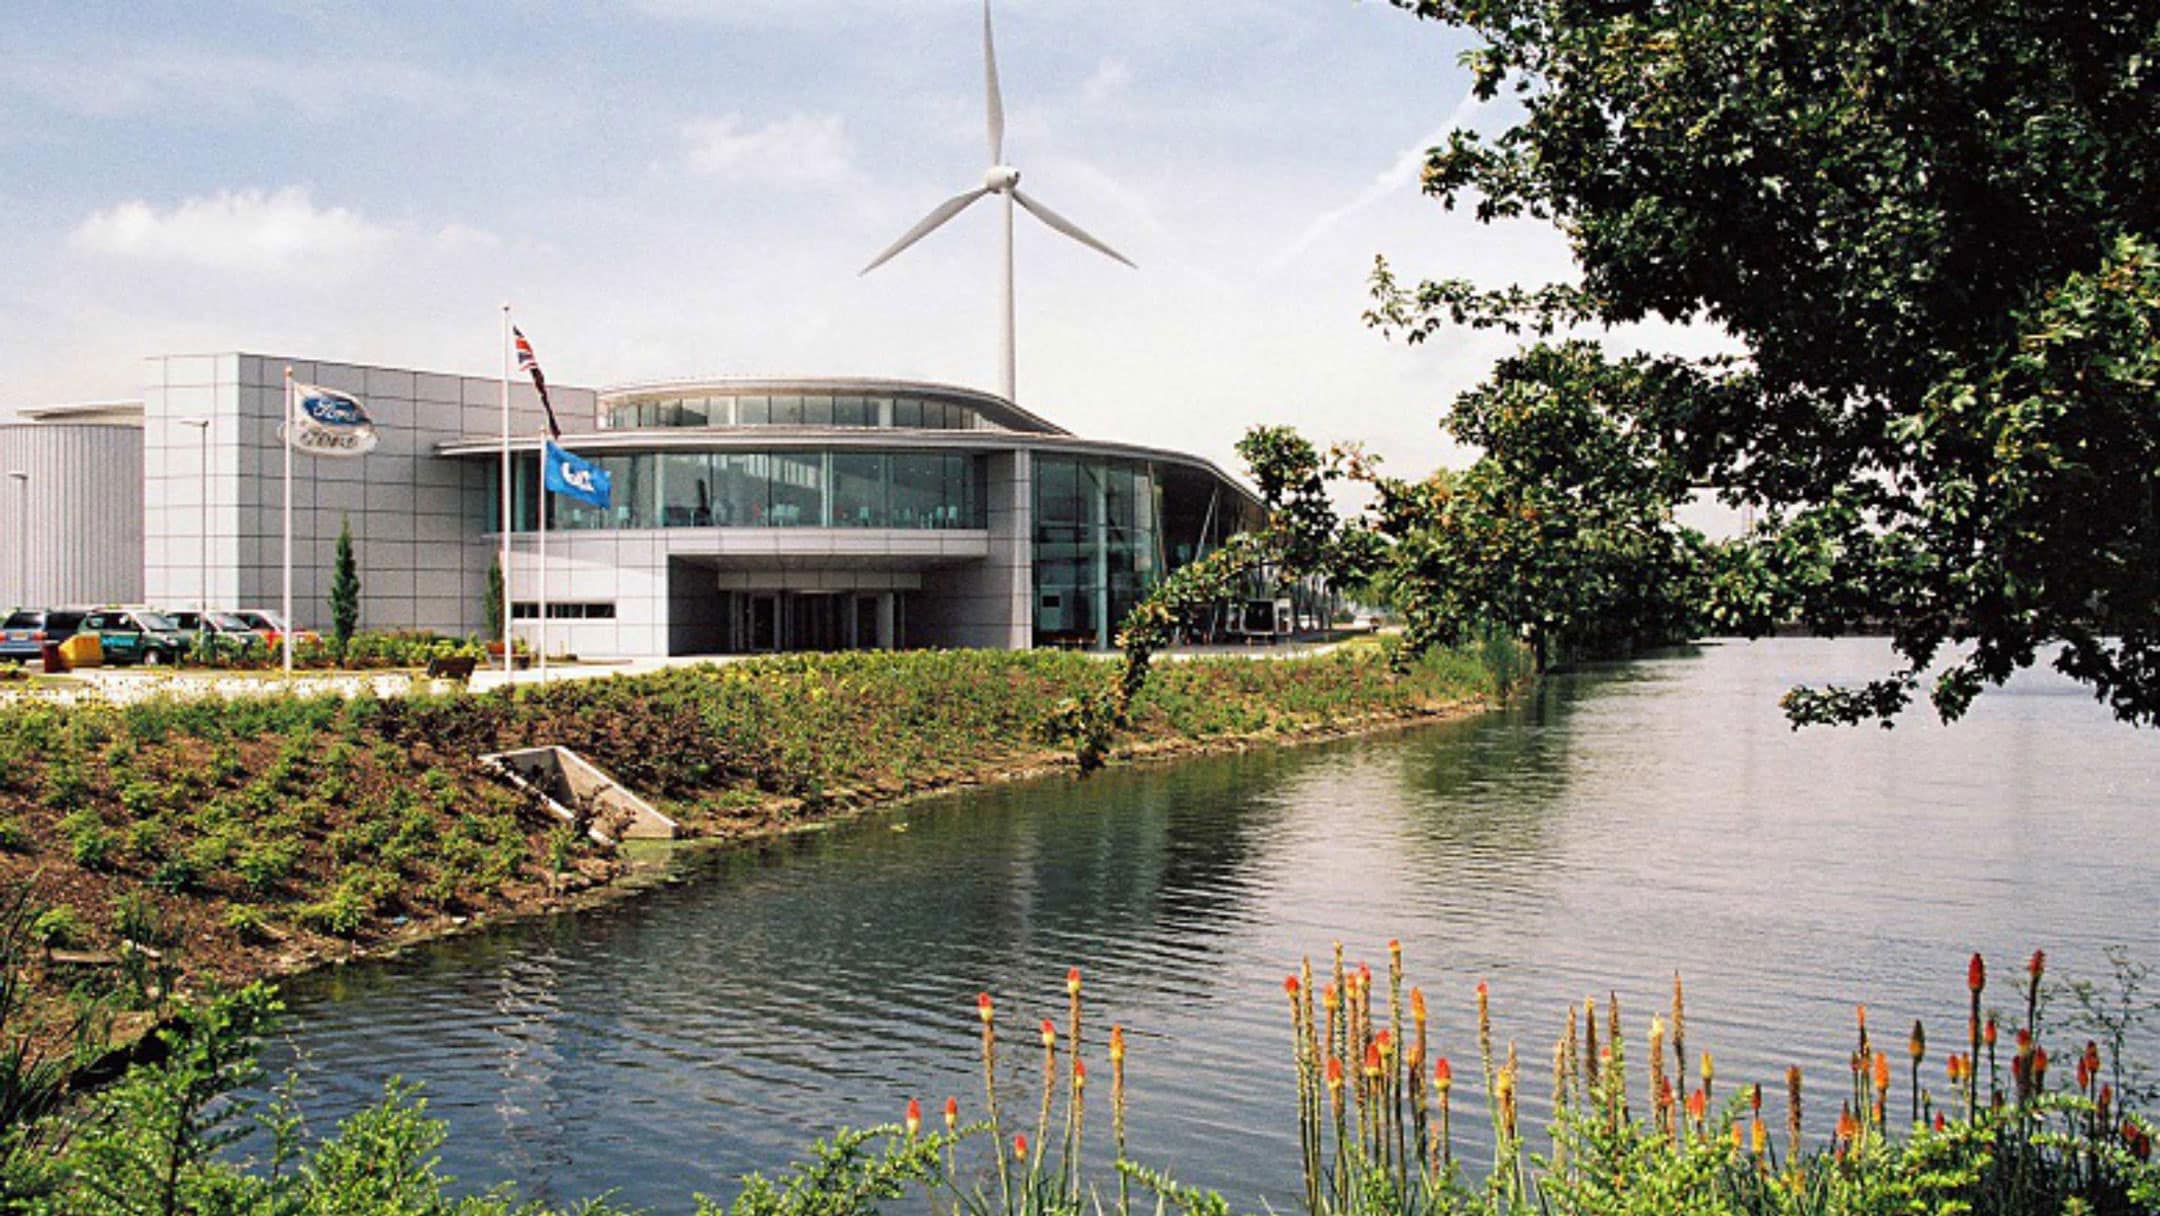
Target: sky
{"x": 674, "y": 188}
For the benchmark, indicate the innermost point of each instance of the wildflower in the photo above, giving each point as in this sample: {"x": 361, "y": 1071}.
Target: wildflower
{"x": 1916, "y": 1046}
{"x": 1755, "y": 1097}
{"x": 1417, "y": 1005}
{"x": 914, "y": 1117}
{"x": 1334, "y": 1073}
{"x": 1737, "y": 1143}
{"x": 1328, "y": 996}
{"x": 1049, "y": 1033}
{"x": 1989, "y": 1034}
{"x": 1443, "y": 1076}
{"x": 1847, "y": 1126}
{"x": 1289, "y": 987}
{"x": 1372, "y": 1059}
{"x": 1709, "y": 1071}
{"x": 1756, "y": 1137}
{"x": 2039, "y": 1065}
{"x": 1384, "y": 1040}
{"x": 952, "y": 1113}
{"x": 1940, "y": 1122}
{"x": 983, "y": 1008}
{"x": 2037, "y": 966}
{"x": 1860, "y": 1013}
{"x": 2092, "y": 1059}
{"x": 1079, "y": 1074}
{"x": 1882, "y": 1073}
{"x": 1117, "y": 1044}
{"x": 1956, "y": 1068}
{"x": 1020, "y": 1147}
{"x": 1976, "y": 973}
{"x": 2024, "y": 1041}
{"x": 1072, "y": 981}
{"x": 1698, "y": 1105}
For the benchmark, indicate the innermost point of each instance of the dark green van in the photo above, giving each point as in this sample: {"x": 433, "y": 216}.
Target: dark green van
{"x": 133, "y": 635}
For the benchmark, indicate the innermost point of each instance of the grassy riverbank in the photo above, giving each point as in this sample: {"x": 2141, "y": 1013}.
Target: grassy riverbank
{"x": 251, "y": 837}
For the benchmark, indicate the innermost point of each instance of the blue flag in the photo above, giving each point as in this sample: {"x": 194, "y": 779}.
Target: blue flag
{"x": 571, "y": 474}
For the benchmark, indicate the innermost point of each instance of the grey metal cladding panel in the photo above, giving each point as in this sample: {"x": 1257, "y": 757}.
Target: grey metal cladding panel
{"x": 81, "y": 537}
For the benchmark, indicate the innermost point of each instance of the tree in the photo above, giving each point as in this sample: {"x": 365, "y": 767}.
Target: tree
{"x": 1929, "y": 226}
{"x": 491, "y": 601}
{"x": 344, "y": 589}
{"x": 1562, "y": 532}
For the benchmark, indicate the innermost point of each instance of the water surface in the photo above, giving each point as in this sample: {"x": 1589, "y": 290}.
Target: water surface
{"x": 1615, "y": 827}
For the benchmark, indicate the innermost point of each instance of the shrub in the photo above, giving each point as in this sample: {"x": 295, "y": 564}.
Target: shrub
{"x": 59, "y": 927}
{"x": 90, "y": 842}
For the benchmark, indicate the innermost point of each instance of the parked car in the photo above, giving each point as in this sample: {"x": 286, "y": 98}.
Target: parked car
{"x": 136, "y": 635}
{"x": 217, "y": 624}
{"x": 271, "y": 628}
{"x": 24, "y": 634}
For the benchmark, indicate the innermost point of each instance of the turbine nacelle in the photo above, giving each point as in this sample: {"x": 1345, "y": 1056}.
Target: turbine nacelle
{"x": 1001, "y": 178}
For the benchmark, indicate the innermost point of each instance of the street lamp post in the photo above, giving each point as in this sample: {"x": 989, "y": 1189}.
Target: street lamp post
{"x": 202, "y": 528}
{"x": 22, "y": 539}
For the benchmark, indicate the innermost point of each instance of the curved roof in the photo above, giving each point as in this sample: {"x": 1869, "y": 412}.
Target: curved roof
{"x": 997, "y": 410}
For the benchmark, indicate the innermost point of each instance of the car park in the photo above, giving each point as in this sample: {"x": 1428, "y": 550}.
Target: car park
{"x": 136, "y": 635}
{"x": 24, "y": 634}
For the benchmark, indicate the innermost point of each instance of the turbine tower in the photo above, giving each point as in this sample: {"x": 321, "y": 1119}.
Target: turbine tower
{"x": 1002, "y": 179}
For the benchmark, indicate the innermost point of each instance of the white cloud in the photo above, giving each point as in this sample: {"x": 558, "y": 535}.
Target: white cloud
{"x": 1403, "y": 173}
{"x": 1112, "y": 77}
{"x": 798, "y": 150}
{"x": 237, "y": 230}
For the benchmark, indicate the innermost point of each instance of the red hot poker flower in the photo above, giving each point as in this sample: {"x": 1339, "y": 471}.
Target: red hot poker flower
{"x": 1049, "y": 1033}
{"x": 1940, "y": 1122}
{"x": 952, "y": 1113}
{"x": 1372, "y": 1059}
{"x": 1989, "y": 1034}
{"x": 1698, "y": 1104}
{"x": 1976, "y": 973}
{"x": 983, "y": 1008}
{"x": 914, "y": 1116}
{"x": 1117, "y": 1044}
{"x": 1385, "y": 1041}
{"x": 1072, "y": 981}
{"x": 1334, "y": 1072}
{"x": 1079, "y": 1074}
{"x": 1442, "y": 1075}
{"x": 1020, "y": 1148}
{"x": 2037, "y": 965}
{"x": 1290, "y": 986}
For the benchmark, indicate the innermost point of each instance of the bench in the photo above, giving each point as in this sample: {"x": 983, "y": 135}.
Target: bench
{"x": 451, "y": 667}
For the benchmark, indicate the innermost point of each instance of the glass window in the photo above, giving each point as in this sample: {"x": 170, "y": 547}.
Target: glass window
{"x": 685, "y": 492}
{"x": 787, "y": 411}
{"x": 798, "y": 490}
{"x": 879, "y": 411}
{"x": 929, "y": 490}
{"x": 1057, "y": 491}
{"x": 852, "y": 411}
{"x": 907, "y": 411}
{"x": 753, "y": 411}
{"x": 858, "y": 483}
{"x": 817, "y": 410}
{"x": 695, "y": 410}
{"x": 742, "y": 496}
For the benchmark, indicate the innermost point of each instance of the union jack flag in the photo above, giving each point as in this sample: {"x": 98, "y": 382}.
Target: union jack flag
{"x": 531, "y": 366}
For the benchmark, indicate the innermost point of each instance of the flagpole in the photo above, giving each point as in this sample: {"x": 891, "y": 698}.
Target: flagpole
{"x": 509, "y": 598}
{"x": 287, "y": 431}
{"x": 544, "y": 505}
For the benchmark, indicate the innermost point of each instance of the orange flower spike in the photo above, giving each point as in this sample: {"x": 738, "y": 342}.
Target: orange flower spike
{"x": 1988, "y": 1036}
{"x": 2092, "y": 1058}
{"x": 1417, "y": 1006}
{"x": 1976, "y": 973}
{"x": 1049, "y": 1033}
{"x": 1328, "y": 996}
{"x": 1860, "y": 1013}
{"x": 914, "y": 1117}
{"x": 1757, "y": 1138}
{"x": 1020, "y": 1148}
{"x": 1916, "y": 1046}
{"x": 1442, "y": 1075}
{"x": 1079, "y": 1074}
{"x": 2039, "y": 1065}
{"x": 1882, "y": 1073}
{"x": 2037, "y": 966}
{"x": 1940, "y": 1122}
{"x": 1385, "y": 1041}
{"x": 1755, "y": 1098}
{"x": 1072, "y": 981}
{"x": 1117, "y": 1044}
{"x": 1709, "y": 1069}
{"x": 1334, "y": 1073}
{"x": 1698, "y": 1105}
{"x": 2024, "y": 1041}
{"x": 983, "y": 1008}
{"x": 1372, "y": 1059}
{"x": 1290, "y": 987}
{"x": 1737, "y": 1144}
{"x": 952, "y": 1113}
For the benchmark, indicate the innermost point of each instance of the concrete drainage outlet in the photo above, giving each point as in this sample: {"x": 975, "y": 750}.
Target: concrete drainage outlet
{"x": 578, "y": 792}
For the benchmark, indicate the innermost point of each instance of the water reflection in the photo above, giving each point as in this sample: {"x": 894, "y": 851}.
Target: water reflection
{"x": 1618, "y": 826}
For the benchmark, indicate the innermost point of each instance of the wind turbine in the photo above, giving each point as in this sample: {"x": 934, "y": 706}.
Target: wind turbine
{"x": 1002, "y": 179}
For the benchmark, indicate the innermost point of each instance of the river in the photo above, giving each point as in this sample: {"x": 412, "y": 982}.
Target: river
{"x": 1612, "y": 828}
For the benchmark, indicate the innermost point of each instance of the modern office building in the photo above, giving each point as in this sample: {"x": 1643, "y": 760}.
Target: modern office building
{"x": 746, "y": 515}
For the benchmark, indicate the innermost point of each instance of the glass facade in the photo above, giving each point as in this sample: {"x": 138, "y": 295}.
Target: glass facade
{"x": 709, "y": 408}
{"x": 780, "y": 489}
{"x": 1098, "y": 545}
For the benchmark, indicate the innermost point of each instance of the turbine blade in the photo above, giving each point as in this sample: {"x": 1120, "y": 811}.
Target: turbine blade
{"x": 930, "y": 223}
{"x": 1066, "y": 226}
{"x": 996, "y": 99}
